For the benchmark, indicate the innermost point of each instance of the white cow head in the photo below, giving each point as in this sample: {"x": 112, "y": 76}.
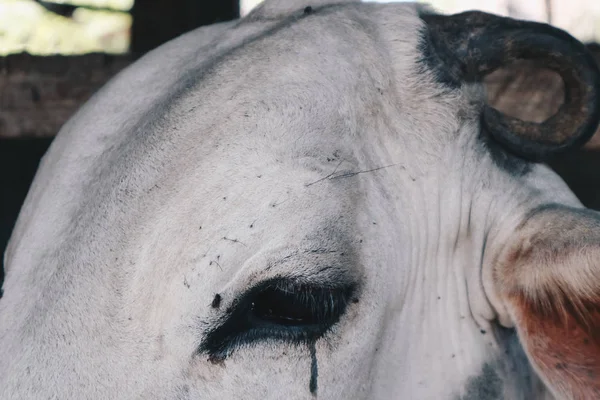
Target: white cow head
{"x": 314, "y": 201}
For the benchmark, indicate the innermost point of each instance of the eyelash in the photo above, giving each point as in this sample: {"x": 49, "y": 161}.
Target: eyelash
{"x": 279, "y": 309}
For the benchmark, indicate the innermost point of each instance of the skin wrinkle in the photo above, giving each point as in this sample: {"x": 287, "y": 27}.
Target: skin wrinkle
{"x": 112, "y": 287}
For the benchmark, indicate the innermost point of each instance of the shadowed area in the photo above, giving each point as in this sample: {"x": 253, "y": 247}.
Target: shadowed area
{"x": 19, "y": 159}
{"x": 486, "y": 386}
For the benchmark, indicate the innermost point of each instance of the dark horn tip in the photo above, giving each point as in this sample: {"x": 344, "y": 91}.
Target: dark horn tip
{"x": 531, "y": 140}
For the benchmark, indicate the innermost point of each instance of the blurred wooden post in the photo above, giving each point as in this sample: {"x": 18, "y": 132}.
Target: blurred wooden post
{"x": 158, "y": 21}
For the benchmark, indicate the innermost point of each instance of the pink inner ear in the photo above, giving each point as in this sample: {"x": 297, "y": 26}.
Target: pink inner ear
{"x": 563, "y": 345}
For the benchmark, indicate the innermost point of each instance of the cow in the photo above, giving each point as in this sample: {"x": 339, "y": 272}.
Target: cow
{"x": 531, "y": 92}
{"x": 315, "y": 201}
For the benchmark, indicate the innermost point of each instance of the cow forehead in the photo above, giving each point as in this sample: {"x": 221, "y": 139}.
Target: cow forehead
{"x": 304, "y": 66}
{"x": 324, "y": 87}
{"x": 279, "y": 212}
{"x": 309, "y": 85}
{"x": 291, "y": 101}
{"x": 288, "y": 86}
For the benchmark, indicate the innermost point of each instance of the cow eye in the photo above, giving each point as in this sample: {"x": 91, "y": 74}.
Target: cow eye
{"x": 278, "y": 310}
{"x": 296, "y": 306}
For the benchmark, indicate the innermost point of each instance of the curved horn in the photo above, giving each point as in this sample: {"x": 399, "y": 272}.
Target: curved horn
{"x": 473, "y": 44}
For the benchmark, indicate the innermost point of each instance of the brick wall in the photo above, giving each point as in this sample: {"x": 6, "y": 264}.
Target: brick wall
{"x": 39, "y": 94}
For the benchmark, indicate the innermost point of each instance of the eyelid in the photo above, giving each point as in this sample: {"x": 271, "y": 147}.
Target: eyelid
{"x": 311, "y": 263}
{"x": 236, "y": 328}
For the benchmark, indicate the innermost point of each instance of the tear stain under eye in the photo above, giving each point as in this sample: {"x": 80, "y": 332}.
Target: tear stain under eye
{"x": 314, "y": 372}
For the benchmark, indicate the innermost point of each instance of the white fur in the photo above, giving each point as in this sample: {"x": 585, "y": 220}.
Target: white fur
{"x": 124, "y": 238}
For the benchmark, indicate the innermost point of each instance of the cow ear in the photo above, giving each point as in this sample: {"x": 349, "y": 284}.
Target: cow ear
{"x": 548, "y": 277}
